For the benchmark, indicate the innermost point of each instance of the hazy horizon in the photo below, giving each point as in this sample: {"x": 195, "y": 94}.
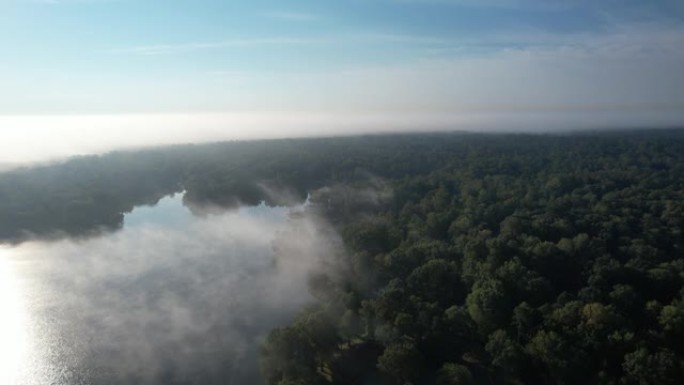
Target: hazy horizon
{"x": 36, "y": 139}
{"x": 86, "y": 76}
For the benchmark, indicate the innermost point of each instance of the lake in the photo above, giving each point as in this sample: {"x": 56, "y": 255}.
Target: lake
{"x": 171, "y": 298}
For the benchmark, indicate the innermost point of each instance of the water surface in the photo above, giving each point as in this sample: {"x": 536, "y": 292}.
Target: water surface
{"x": 171, "y": 298}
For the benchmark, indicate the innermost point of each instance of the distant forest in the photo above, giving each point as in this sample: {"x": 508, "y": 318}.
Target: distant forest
{"x": 469, "y": 258}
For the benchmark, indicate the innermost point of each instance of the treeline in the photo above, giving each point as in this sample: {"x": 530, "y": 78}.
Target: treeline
{"x": 85, "y": 195}
{"x": 519, "y": 260}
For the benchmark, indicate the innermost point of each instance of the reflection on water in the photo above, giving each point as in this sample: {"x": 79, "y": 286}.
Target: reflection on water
{"x": 14, "y": 348}
{"x": 168, "y": 212}
{"x": 169, "y": 299}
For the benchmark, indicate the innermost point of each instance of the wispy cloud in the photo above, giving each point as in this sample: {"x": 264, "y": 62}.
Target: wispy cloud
{"x": 166, "y": 49}
{"x": 633, "y": 69}
{"x": 635, "y": 39}
{"x": 504, "y": 4}
{"x": 398, "y": 38}
{"x": 610, "y": 9}
{"x": 290, "y": 15}
{"x": 62, "y": 2}
{"x": 622, "y": 36}
{"x": 355, "y": 39}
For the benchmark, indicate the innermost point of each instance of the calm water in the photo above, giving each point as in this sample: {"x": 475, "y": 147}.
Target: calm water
{"x": 169, "y": 299}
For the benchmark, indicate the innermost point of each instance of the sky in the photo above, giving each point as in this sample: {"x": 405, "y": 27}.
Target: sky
{"x": 466, "y": 64}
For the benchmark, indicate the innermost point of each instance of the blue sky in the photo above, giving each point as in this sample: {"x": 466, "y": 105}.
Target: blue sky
{"x": 141, "y": 56}
{"x": 88, "y": 76}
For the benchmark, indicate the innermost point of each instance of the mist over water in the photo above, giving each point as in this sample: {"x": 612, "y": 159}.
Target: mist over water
{"x": 171, "y": 298}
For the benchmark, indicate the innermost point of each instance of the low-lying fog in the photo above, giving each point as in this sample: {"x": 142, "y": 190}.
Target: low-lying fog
{"x": 39, "y": 138}
{"x": 170, "y": 299}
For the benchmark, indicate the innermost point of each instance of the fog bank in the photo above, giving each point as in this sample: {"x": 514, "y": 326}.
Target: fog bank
{"x": 39, "y": 138}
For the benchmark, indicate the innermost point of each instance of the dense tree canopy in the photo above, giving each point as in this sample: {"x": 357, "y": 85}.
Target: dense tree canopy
{"x": 468, "y": 259}
{"x": 520, "y": 259}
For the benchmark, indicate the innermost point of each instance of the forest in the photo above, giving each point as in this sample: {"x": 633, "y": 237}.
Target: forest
{"x": 518, "y": 260}
{"x": 467, "y": 258}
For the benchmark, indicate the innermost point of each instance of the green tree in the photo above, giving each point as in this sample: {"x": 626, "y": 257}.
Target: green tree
{"x": 454, "y": 374}
{"x": 643, "y": 367}
{"x": 488, "y": 304}
{"x": 401, "y": 361}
